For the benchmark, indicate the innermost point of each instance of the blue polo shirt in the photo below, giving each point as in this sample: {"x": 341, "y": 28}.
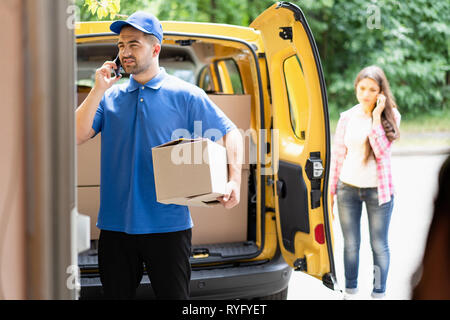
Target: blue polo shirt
{"x": 133, "y": 118}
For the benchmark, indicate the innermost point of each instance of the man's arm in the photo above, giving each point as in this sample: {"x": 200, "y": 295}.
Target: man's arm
{"x": 85, "y": 113}
{"x": 234, "y": 146}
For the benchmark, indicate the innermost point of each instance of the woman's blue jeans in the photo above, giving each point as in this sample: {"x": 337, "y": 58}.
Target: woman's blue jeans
{"x": 349, "y": 201}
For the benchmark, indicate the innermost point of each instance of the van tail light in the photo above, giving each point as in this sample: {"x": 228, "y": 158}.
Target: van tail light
{"x": 319, "y": 234}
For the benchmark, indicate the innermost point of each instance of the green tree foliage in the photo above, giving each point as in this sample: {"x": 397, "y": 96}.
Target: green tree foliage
{"x": 410, "y": 42}
{"x": 103, "y": 8}
{"x": 408, "y": 39}
{"x": 89, "y": 9}
{"x": 217, "y": 11}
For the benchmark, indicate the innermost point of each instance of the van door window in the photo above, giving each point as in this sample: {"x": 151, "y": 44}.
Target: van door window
{"x": 205, "y": 80}
{"x": 297, "y": 95}
{"x": 235, "y": 76}
{"x": 229, "y": 76}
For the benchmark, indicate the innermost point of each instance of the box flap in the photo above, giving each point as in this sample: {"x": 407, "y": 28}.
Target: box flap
{"x": 178, "y": 141}
{"x": 204, "y": 200}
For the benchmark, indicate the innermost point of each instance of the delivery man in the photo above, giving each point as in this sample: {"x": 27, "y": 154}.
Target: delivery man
{"x": 133, "y": 117}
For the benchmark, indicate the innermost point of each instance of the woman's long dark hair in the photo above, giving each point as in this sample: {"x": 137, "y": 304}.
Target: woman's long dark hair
{"x": 387, "y": 117}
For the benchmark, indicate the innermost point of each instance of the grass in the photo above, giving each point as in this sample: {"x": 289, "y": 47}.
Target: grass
{"x": 438, "y": 122}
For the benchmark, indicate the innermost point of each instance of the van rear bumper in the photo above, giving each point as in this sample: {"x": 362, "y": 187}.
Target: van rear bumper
{"x": 241, "y": 282}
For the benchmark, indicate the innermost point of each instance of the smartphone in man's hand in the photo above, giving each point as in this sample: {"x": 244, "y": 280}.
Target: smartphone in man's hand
{"x": 119, "y": 66}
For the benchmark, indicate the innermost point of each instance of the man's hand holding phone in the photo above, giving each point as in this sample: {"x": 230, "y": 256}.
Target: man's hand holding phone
{"x": 103, "y": 77}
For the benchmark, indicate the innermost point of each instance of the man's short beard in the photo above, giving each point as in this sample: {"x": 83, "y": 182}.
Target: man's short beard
{"x": 137, "y": 69}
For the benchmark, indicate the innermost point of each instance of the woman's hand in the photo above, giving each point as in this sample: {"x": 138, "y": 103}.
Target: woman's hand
{"x": 381, "y": 103}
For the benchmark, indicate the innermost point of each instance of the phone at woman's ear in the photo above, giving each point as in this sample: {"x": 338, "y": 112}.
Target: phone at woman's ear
{"x": 379, "y": 97}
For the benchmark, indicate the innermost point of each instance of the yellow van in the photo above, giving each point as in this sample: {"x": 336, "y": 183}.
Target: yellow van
{"x": 268, "y": 79}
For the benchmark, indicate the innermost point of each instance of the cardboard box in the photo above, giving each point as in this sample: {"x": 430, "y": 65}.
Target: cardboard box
{"x": 88, "y": 182}
{"x": 88, "y": 156}
{"x": 190, "y": 172}
{"x": 88, "y": 161}
{"x": 237, "y": 107}
{"x": 88, "y": 204}
{"x": 217, "y": 224}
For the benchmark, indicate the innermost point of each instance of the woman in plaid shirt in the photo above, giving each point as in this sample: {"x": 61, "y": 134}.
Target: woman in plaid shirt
{"x": 361, "y": 172}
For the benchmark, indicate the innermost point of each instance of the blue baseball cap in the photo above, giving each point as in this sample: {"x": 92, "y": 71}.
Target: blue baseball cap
{"x": 143, "y": 21}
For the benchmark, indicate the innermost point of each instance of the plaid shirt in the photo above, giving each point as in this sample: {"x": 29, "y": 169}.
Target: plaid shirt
{"x": 381, "y": 147}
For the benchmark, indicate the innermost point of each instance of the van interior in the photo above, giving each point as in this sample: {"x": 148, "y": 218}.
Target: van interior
{"x": 220, "y": 237}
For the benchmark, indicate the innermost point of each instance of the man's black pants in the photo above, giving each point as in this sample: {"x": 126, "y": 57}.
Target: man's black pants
{"x": 121, "y": 259}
